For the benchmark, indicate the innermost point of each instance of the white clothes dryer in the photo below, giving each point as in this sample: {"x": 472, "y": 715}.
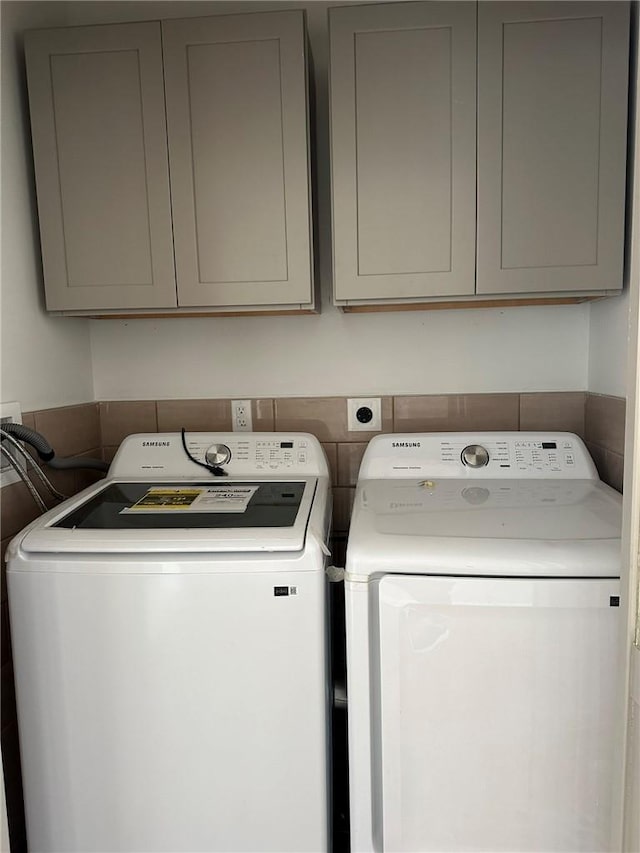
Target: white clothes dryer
{"x": 169, "y": 637}
{"x": 482, "y": 600}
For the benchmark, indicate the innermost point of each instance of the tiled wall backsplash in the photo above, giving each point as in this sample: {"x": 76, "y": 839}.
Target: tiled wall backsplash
{"x": 96, "y": 429}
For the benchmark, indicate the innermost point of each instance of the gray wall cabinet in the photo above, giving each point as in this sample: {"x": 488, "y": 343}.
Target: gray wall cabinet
{"x": 226, "y": 167}
{"x": 550, "y": 118}
{"x": 102, "y": 178}
{"x": 403, "y": 119}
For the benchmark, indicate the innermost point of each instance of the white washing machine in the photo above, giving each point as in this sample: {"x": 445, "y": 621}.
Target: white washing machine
{"x": 482, "y": 601}
{"x": 170, "y": 646}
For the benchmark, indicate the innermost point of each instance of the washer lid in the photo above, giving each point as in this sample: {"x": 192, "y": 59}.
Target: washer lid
{"x": 522, "y": 527}
{"x": 220, "y": 516}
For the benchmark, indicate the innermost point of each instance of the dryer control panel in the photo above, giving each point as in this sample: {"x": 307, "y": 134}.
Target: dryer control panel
{"x": 234, "y": 454}
{"x": 483, "y": 455}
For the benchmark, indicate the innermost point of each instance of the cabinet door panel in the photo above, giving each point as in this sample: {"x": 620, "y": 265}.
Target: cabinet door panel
{"x": 99, "y": 138}
{"x": 552, "y": 103}
{"x": 403, "y": 150}
{"x": 237, "y": 121}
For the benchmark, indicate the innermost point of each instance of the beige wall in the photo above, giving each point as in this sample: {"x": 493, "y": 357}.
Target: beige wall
{"x": 488, "y": 350}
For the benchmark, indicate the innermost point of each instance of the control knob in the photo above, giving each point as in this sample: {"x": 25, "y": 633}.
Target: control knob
{"x": 217, "y": 454}
{"x": 475, "y": 456}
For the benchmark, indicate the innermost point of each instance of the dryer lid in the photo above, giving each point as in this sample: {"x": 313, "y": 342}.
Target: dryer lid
{"x": 550, "y": 527}
{"x": 221, "y": 516}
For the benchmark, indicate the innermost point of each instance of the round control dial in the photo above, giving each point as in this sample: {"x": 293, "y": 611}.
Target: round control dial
{"x": 475, "y": 456}
{"x": 217, "y": 454}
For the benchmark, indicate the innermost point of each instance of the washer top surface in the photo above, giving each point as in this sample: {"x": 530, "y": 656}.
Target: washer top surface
{"x": 512, "y": 515}
{"x": 159, "y": 497}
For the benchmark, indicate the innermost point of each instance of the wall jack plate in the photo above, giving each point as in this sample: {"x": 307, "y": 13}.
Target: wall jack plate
{"x": 364, "y": 414}
{"x": 9, "y": 413}
{"x": 241, "y": 420}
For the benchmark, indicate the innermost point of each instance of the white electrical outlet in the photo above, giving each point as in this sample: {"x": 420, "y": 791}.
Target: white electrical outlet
{"x": 364, "y": 414}
{"x": 9, "y": 413}
{"x": 241, "y": 420}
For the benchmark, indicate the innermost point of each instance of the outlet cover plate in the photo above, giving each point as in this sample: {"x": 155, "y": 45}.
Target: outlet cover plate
{"x": 12, "y": 413}
{"x": 356, "y": 403}
{"x": 241, "y": 419}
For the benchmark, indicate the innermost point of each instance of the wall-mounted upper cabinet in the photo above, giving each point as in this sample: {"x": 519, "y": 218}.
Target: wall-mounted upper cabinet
{"x": 550, "y": 119}
{"x": 232, "y": 183}
{"x": 552, "y": 136}
{"x": 403, "y": 149}
{"x": 100, "y": 152}
{"x": 238, "y": 149}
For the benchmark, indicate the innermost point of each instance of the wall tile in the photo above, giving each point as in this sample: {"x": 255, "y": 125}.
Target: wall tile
{"x": 88, "y": 476}
{"x": 563, "y": 411}
{"x": 209, "y": 415}
{"x": 68, "y": 481}
{"x": 324, "y": 417}
{"x": 122, "y": 418}
{"x": 331, "y": 451}
{"x": 70, "y": 429}
{"x": 597, "y": 454}
{"x": 610, "y": 465}
{"x": 108, "y": 453}
{"x": 263, "y": 415}
{"x": 17, "y": 509}
{"x": 342, "y": 506}
{"x": 64, "y": 480}
{"x": 349, "y": 459}
{"x": 61, "y": 479}
{"x": 613, "y": 470}
{"x": 194, "y": 415}
{"x": 604, "y": 421}
{"x": 456, "y": 412}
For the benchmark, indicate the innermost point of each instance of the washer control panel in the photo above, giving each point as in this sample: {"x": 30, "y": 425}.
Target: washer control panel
{"x": 237, "y": 454}
{"x": 256, "y": 453}
{"x": 515, "y": 455}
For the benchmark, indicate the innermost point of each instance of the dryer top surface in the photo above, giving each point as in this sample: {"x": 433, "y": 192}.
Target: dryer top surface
{"x": 487, "y": 520}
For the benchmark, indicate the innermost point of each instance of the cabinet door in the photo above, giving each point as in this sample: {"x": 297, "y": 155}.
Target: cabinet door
{"x": 403, "y": 112}
{"x": 237, "y": 121}
{"x": 100, "y": 151}
{"x": 552, "y": 107}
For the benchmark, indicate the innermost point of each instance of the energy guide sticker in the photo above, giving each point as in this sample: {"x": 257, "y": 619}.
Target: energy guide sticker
{"x": 189, "y": 499}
